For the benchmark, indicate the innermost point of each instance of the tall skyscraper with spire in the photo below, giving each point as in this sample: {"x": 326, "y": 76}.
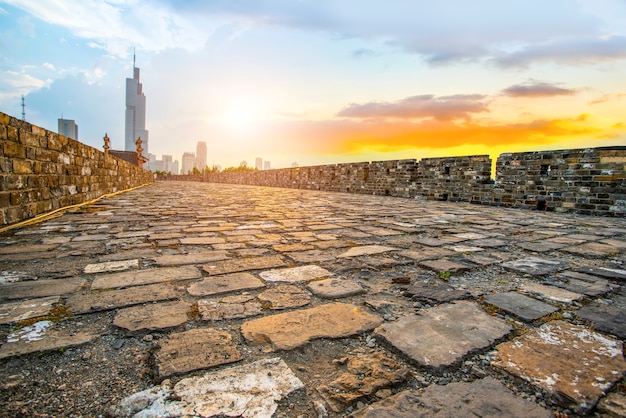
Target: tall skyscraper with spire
{"x": 135, "y": 113}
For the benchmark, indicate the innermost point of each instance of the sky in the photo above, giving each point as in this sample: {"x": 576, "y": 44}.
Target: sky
{"x": 323, "y": 81}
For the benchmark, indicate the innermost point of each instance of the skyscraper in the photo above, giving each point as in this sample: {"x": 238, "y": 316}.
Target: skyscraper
{"x": 135, "y": 113}
{"x": 68, "y": 128}
{"x": 201, "y": 155}
{"x": 258, "y": 163}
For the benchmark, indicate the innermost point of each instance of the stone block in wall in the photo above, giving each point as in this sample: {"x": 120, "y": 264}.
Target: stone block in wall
{"x": 13, "y": 149}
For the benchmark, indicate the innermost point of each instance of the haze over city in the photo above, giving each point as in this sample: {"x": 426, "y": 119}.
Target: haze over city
{"x": 318, "y": 82}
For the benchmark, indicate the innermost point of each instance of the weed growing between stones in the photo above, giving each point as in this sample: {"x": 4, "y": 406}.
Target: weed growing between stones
{"x": 56, "y": 314}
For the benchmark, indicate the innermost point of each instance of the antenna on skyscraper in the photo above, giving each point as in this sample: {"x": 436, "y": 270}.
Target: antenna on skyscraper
{"x": 133, "y": 57}
{"x": 23, "y": 108}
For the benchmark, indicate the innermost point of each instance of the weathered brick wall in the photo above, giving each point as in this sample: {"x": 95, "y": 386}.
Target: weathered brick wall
{"x": 586, "y": 181}
{"x": 41, "y": 171}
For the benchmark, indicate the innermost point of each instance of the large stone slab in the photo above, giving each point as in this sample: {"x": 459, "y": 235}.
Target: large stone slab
{"x": 293, "y": 329}
{"x": 295, "y": 274}
{"x": 335, "y": 288}
{"x": 551, "y": 293}
{"x": 573, "y": 363}
{"x": 486, "y": 398}
{"x": 426, "y": 254}
{"x": 249, "y": 390}
{"x": 608, "y": 273}
{"x": 142, "y": 277}
{"x": 26, "y": 309}
{"x": 112, "y": 299}
{"x": 606, "y": 318}
{"x": 284, "y": 297}
{"x": 585, "y": 284}
{"x": 40, "y": 288}
{"x": 224, "y": 284}
{"x": 244, "y": 264}
{"x": 155, "y": 316}
{"x": 444, "y": 265}
{"x": 312, "y": 256}
{"x": 439, "y": 293}
{"x": 366, "y": 250}
{"x": 195, "y": 349}
{"x": 229, "y": 307}
{"x": 534, "y": 266}
{"x": 593, "y": 250}
{"x": 442, "y": 336}
{"x": 528, "y": 309}
{"x": 191, "y": 258}
{"x": 111, "y": 266}
{"x": 39, "y": 338}
{"x": 202, "y": 240}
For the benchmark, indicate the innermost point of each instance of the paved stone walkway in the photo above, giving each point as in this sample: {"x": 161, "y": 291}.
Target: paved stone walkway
{"x": 183, "y": 299}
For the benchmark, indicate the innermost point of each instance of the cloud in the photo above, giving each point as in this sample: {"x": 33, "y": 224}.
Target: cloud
{"x": 534, "y": 88}
{"x": 443, "y": 108}
{"x": 571, "y": 51}
{"x": 14, "y": 84}
{"x": 607, "y": 98}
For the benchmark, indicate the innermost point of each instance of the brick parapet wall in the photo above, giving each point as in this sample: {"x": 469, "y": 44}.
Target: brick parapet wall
{"x": 585, "y": 181}
{"x": 41, "y": 171}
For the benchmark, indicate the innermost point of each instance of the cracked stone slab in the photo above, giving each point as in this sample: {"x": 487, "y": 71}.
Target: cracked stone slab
{"x": 607, "y": 273}
{"x": 283, "y": 297}
{"x": 486, "y": 398}
{"x": 366, "y": 250}
{"x": 249, "y": 390}
{"x": 335, "y": 288}
{"x": 191, "y": 258}
{"x": 40, "y": 288}
{"x": 187, "y": 351}
{"x": 534, "y": 266}
{"x": 576, "y": 377}
{"x": 142, "y": 277}
{"x": 295, "y": 274}
{"x": 31, "y": 340}
{"x": 113, "y": 299}
{"x": 229, "y": 307}
{"x": 224, "y": 284}
{"x": 293, "y": 329}
{"x": 155, "y": 316}
{"x": 527, "y": 309}
{"x": 366, "y": 373}
{"x": 552, "y": 293}
{"x": 606, "y": 318}
{"x": 442, "y": 336}
{"x": 26, "y": 309}
{"x": 613, "y": 405}
{"x": 440, "y": 293}
{"x": 244, "y": 264}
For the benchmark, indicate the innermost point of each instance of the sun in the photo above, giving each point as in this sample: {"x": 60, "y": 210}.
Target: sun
{"x": 241, "y": 116}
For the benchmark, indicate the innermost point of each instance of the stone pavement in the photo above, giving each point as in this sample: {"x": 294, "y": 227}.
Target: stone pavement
{"x": 195, "y": 299}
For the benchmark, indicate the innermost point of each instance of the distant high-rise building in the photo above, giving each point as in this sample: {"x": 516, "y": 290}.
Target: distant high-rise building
{"x": 201, "y": 155}
{"x": 267, "y": 165}
{"x": 68, "y": 128}
{"x": 259, "y": 163}
{"x": 135, "y": 113}
{"x": 189, "y": 162}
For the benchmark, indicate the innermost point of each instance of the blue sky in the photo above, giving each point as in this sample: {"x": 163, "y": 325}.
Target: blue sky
{"x": 324, "y": 81}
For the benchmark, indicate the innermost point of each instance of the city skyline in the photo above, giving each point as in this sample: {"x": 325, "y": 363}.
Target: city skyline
{"x": 324, "y": 82}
